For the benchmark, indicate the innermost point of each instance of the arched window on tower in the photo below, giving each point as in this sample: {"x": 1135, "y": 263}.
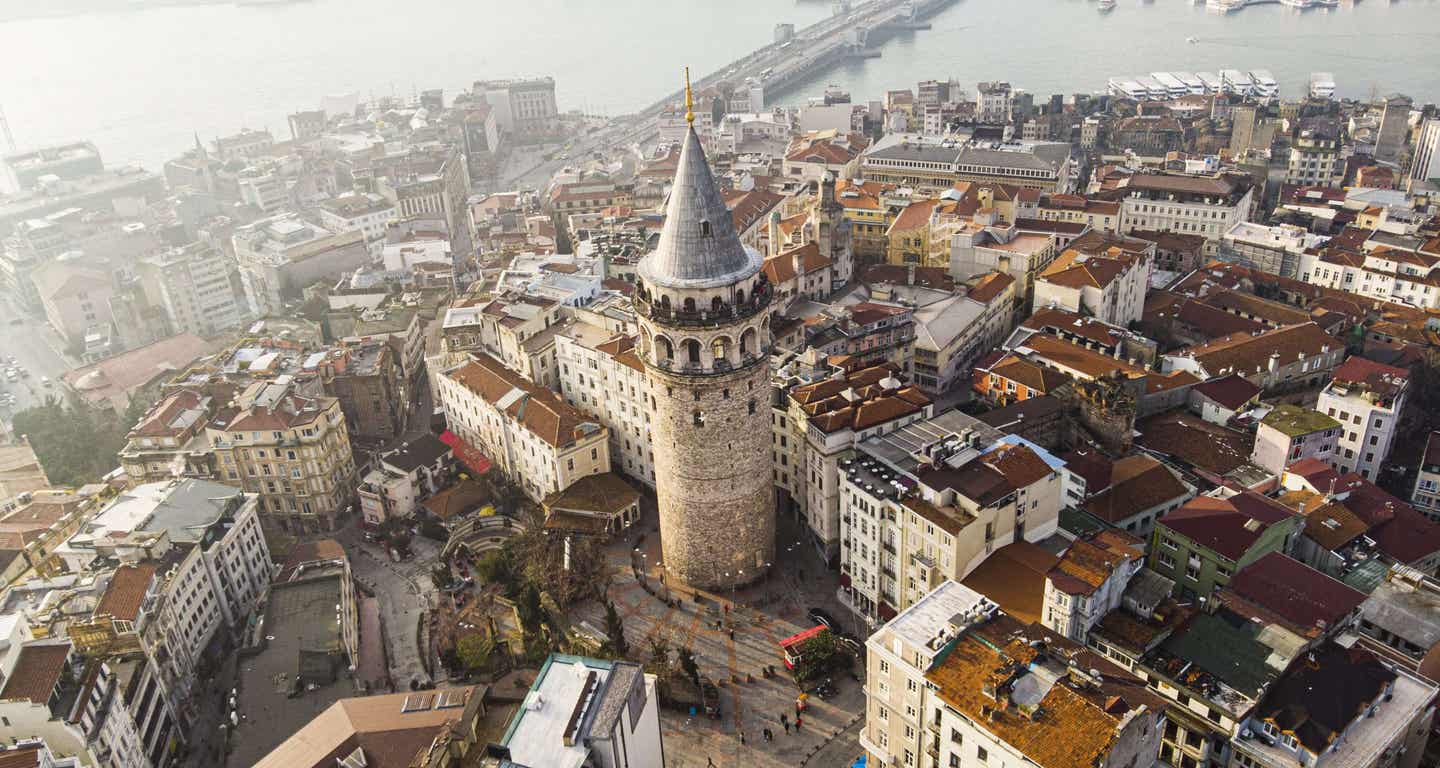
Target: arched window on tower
{"x": 717, "y": 304}
{"x": 720, "y": 348}
{"x": 704, "y": 227}
{"x": 692, "y": 351}
{"x": 740, "y": 297}
{"x": 663, "y": 349}
{"x": 689, "y": 306}
{"x": 747, "y": 342}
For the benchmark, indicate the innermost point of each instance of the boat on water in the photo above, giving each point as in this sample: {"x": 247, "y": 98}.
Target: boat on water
{"x": 1225, "y": 6}
{"x": 1105, "y": 6}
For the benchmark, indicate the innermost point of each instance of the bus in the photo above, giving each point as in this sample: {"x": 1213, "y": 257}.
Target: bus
{"x": 790, "y": 646}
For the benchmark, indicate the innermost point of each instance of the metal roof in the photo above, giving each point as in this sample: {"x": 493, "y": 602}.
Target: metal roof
{"x": 698, "y": 246}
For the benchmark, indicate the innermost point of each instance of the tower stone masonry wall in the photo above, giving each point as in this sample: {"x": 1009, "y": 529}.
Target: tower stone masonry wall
{"x": 713, "y": 479}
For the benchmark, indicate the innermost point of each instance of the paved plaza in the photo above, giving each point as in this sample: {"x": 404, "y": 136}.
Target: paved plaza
{"x": 762, "y": 615}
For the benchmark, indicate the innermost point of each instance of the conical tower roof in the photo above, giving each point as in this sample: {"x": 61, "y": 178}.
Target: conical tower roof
{"x": 698, "y": 246}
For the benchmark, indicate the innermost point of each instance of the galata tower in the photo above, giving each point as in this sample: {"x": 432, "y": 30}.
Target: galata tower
{"x": 702, "y": 304}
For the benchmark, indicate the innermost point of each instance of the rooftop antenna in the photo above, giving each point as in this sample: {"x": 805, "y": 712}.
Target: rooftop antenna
{"x": 689, "y": 100}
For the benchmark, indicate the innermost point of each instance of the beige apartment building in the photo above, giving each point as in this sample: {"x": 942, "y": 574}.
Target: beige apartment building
{"x": 291, "y": 450}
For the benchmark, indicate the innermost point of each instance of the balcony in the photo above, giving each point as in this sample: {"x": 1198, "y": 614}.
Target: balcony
{"x": 665, "y": 314}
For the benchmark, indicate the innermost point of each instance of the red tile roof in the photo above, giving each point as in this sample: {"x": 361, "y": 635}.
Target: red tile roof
{"x": 37, "y": 671}
{"x": 540, "y": 410}
{"x": 1303, "y": 596}
{"x": 126, "y": 592}
{"x": 1226, "y": 526}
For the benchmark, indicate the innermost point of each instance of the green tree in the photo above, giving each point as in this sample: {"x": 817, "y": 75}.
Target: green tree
{"x": 531, "y": 614}
{"x": 687, "y": 664}
{"x": 474, "y": 651}
{"x": 659, "y": 664}
{"x": 77, "y": 443}
{"x": 616, "y": 630}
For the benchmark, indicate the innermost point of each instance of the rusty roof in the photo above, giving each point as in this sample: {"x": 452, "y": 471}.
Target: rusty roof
{"x": 37, "y": 672}
{"x": 538, "y": 409}
{"x": 126, "y": 592}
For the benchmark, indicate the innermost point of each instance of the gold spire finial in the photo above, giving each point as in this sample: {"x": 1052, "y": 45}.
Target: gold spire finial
{"x": 689, "y": 100}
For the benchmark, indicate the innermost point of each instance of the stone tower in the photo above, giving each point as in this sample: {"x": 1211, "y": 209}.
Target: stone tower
{"x": 702, "y": 304}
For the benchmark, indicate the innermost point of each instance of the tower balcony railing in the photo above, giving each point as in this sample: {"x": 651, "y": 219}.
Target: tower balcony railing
{"x": 706, "y": 318}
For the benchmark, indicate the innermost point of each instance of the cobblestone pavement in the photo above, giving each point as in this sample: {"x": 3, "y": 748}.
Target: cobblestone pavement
{"x": 761, "y": 616}
{"x": 404, "y": 591}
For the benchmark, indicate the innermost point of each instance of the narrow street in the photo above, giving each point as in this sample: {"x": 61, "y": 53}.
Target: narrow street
{"x": 404, "y": 592}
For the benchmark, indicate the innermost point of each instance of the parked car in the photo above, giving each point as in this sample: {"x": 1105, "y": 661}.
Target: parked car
{"x": 824, "y": 619}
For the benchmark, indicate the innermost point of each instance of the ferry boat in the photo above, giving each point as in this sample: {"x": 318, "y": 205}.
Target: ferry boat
{"x": 1322, "y": 85}
{"x": 1105, "y": 6}
{"x": 1264, "y": 85}
{"x": 1236, "y": 82}
{"x": 1193, "y": 84}
{"x": 1211, "y": 81}
{"x": 1174, "y": 88}
{"x": 1225, "y": 6}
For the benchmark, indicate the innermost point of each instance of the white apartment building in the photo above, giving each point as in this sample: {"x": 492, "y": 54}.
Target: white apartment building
{"x": 1107, "y": 284}
{"x": 906, "y": 526}
{"x": 368, "y": 213}
{"x": 600, "y": 374}
{"x": 194, "y": 285}
{"x": 1315, "y": 159}
{"x": 281, "y": 255}
{"x": 587, "y": 712}
{"x": 217, "y": 564}
{"x": 1386, "y": 274}
{"x": 818, "y": 421}
{"x": 1426, "y": 495}
{"x": 1089, "y": 582}
{"x": 540, "y": 441}
{"x": 1367, "y": 398}
{"x": 1189, "y": 204}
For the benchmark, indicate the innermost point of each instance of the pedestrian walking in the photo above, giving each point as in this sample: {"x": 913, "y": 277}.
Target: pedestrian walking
{"x": 709, "y": 763}
{"x": 742, "y": 738}
{"x": 787, "y": 727}
{"x": 785, "y": 720}
{"x": 798, "y": 721}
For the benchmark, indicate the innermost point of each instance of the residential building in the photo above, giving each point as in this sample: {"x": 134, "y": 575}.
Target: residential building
{"x": 1368, "y": 398}
{"x": 1289, "y": 433}
{"x": 1400, "y": 619}
{"x": 1200, "y": 545}
{"x": 1275, "y": 249}
{"x": 1089, "y": 581}
{"x": 1425, "y": 165}
{"x": 196, "y": 286}
{"x": 244, "y": 145}
{"x": 541, "y": 442}
{"x": 1349, "y": 522}
{"x": 368, "y": 213}
{"x": 1426, "y": 495}
{"x": 1315, "y": 157}
{"x": 817, "y": 423}
{"x": 368, "y": 382}
{"x": 75, "y": 298}
{"x": 1342, "y": 707}
{"x": 200, "y": 564}
{"x": 600, "y": 374}
{"x": 582, "y": 711}
{"x": 170, "y": 439}
{"x": 954, "y": 333}
{"x": 35, "y": 702}
{"x": 1095, "y": 214}
{"x": 953, "y": 681}
{"x": 1189, "y": 204}
{"x": 1108, "y": 282}
{"x": 993, "y": 102}
{"x": 291, "y": 450}
{"x": 976, "y": 497}
{"x": 1286, "y": 358}
{"x": 281, "y": 256}
{"x": 1137, "y": 491}
{"x": 1397, "y": 275}
{"x": 434, "y": 729}
{"x": 404, "y": 477}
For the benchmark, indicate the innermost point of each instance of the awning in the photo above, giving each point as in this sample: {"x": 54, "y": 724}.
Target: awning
{"x": 473, "y": 459}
